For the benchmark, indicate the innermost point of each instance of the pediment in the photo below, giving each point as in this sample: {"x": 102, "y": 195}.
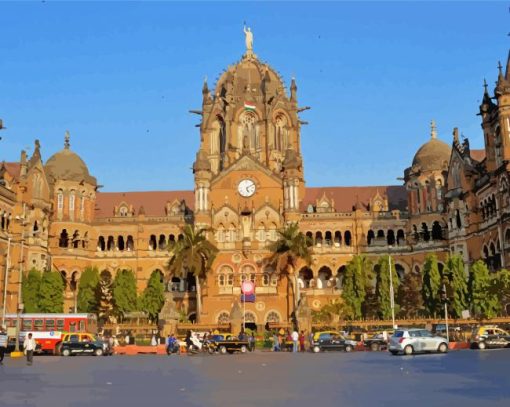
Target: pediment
{"x": 245, "y": 163}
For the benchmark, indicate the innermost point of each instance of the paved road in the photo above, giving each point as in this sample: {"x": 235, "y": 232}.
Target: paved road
{"x": 460, "y": 378}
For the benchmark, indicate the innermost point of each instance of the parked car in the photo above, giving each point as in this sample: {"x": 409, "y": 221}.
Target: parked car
{"x": 318, "y": 334}
{"x": 328, "y": 342}
{"x": 409, "y": 341}
{"x": 230, "y": 344}
{"x": 376, "y": 342}
{"x": 75, "y": 344}
{"x": 489, "y": 336}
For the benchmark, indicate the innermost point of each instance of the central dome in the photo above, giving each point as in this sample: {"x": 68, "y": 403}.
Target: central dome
{"x": 432, "y": 155}
{"x": 68, "y": 166}
{"x": 248, "y": 71}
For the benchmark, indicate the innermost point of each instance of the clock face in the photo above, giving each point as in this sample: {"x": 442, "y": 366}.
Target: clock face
{"x": 246, "y": 188}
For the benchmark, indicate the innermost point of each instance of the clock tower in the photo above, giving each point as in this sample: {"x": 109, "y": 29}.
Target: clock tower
{"x": 248, "y": 170}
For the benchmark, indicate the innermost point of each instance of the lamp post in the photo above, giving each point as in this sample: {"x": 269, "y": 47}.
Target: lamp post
{"x": 392, "y": 293}
{"x": 6, "y": 277}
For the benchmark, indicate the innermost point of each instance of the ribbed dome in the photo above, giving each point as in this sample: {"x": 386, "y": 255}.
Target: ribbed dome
{"x": 248, "y": 71}
{"x": 67, "y": 165}
{"x": 432, "y": 155}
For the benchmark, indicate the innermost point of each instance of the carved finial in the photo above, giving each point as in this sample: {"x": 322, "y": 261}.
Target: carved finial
{"x": 433, "y": 130}
{"x": 500, "y": 68}
{"x": 485, "y": 85}
{"x": 67, "y": 139}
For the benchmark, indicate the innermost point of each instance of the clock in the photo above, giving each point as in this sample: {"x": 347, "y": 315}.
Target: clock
{"x": 246, "y": 188}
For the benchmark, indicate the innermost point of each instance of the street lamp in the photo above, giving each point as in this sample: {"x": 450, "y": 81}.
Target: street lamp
{"x": 392, "y": 292}
{"x": 6, "y": 277}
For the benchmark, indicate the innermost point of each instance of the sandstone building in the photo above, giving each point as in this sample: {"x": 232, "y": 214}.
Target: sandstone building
{"x": 249, "y": 181}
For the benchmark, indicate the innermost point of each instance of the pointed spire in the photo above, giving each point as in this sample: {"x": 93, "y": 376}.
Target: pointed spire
{"x": 455, "y": 135}
{"x": 433, "y": 130}
{"x": 500, "y": 69}
{"x": 293, "y": 90}
{"x": 508, "y": 67}
{"x": 205, "y": 88}
{"x": 67, "y": 139}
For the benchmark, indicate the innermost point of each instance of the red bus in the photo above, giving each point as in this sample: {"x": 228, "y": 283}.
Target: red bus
{"x": 47, "y": 329}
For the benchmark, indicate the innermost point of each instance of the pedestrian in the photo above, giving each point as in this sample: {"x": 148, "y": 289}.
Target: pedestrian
{"x": 154, "y": 341}
{"x": 29, "y": 346}
{"x": 115, "y": 341}
{"x": 276, "y": 343}
{"x": 251, "y": 342}
{"x": 111, "y": 344}
{"x": 295, "y": 341}
{"x": 126, "y": 338}
{"x": 310, "y": 340}
{"x": 3, "y": 344}
{"x": 302, "y": 341}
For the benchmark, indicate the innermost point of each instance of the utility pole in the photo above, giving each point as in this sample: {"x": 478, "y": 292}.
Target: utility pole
{"x": 392, "y": 293}
{"x": 6, "y": 278}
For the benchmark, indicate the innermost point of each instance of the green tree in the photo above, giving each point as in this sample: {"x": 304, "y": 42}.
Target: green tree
{"x": 431, "y": 283}
{"x": 501, "y": 287}
{"x": 291, "y": 247}
{"x": 153, "y": 297}
{"x": 124, "y": 292}
{"x": 30, "y": 290}
{"x": 382, "y": 287}
{"x": 51, "y": 293}
{"x": 483, "y": 300}
{"x": 357, "y": 278}
{"x": 105, "y": 295}
{"x": 409, "y": 296}
{"x": 457, "y": 290}
{"x": 88, "y": 291}
{"x": 195, "y": 254}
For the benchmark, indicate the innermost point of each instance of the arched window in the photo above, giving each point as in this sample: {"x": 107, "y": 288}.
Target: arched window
{"x": 425, "y": 232}
{"x": 152, "y": 242}
{"x": 76, "y": 239}
{"x": 281, "y": 133}
{"x": 328, "y": 238}
{"x": 347, "y": 238}
{"x": 338, "y": 238}
{"x": 390, "y": 237}
{"x": 309, "y": 239}
{"x": 72, "y": 198}
{"x": 273, "y": 317}
{"x": 223, "y": 318}
{"x": 120, "y": 243}
{"x": 318, "y": 239}
{"x": 380, "y": 234}
{"x": 101, "y": 244}
{"x": 226, "y": 276}
{"x": 60, "y": 200}
{"x": 247, "y": 136}
{"x": 370, "y": 237}
{"x": 162, "y": 242}
{"x": 400, "y": 237}
{"x": 305, "y": 276}
{"x": 130, "y": 244}
{"x": 437, "y": 231}
{"x": 64, "y": 239}
{"x": 325, "y": 275}
{"x": 110, "y": 244}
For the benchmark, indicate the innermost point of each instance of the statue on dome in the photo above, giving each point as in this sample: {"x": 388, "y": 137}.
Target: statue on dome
{"x": 248, "y": 38}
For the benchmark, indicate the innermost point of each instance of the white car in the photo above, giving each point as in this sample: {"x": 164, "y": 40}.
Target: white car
{"x": 409, "y": 341}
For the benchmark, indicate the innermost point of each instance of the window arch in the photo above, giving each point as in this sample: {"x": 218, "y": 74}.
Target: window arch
{"x": 226, "y": 276}
{"x": 223, "y": 318}
{"x": 273, "y": 317}
{"x": 347, "y": 238}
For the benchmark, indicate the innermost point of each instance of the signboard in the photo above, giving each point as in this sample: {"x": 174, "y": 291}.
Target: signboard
{"x": 247, "y": 297}
{"x": 248, "y": 287}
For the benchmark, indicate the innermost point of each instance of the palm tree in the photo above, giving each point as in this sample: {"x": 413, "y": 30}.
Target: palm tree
{"x": 195, "y": 254}
{"x": 291, "y": 247}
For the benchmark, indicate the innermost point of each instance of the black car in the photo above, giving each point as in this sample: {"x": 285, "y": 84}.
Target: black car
{"x": 229, "y": 345}
{"x": 375, "y": 343}
{"x": 96, "y": 348}
{"x": 333, "y": 343}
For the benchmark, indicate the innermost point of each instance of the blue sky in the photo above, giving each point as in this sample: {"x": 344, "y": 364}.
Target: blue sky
{"x": 122, "y": 77}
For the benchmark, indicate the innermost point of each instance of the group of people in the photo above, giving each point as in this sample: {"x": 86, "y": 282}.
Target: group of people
{"x": 290, "y": 341}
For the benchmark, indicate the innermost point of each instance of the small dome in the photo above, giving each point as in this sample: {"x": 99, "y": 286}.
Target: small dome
{"x": 67, "y": 165}
{"x": 432, "y": 155}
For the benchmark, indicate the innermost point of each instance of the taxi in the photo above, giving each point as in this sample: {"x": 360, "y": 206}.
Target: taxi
{"x": 317, "y": 335}
{"x": 489, "y": 336}
{"x": 74, "y": 337}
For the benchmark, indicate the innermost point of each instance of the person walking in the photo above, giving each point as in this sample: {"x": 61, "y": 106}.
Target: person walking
{"x": 302, "y": 341}
{"x": 29, "y": 346}
{"x": 154, "y": 341}
{"x": 251, "y": 342}
{"x": 276, "y": 342}
{"x": 3, "y": 344}
{"x": 295, "y": 341}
